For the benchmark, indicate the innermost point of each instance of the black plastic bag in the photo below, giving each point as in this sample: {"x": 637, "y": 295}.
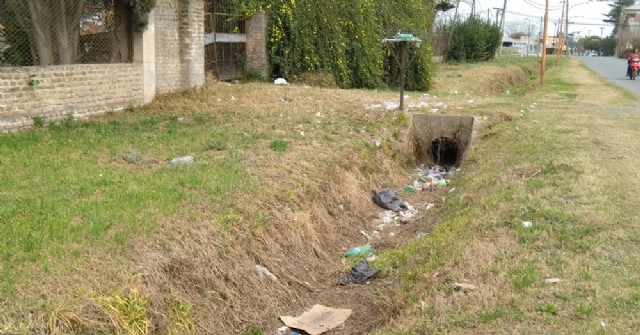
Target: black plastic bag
{"x": 388, "y": 199}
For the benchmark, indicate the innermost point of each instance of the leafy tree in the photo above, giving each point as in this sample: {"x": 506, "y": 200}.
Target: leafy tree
{"x": 474, "y": 40}
{"x": 52, "y": 28}
{"x": 614, "y": 14}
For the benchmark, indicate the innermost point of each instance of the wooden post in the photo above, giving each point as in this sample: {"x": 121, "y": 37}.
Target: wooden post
{"x": 403, "y": 70}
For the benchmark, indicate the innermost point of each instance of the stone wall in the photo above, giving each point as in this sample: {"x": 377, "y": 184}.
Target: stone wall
{"x": 56, "y": 91}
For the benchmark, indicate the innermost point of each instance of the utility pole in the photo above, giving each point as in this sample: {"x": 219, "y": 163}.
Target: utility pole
{"x": 542, "y": 48}
{"x": 497, "y": 14}
{"x": 488, "y": 14}
{"x": 566, "y": 29}
{"x": 473, "y": 8}
{"x": 455, "y": 19}
{"x": 504, "y": 10}
{"x": 559, "y": 41}
{"x": 544, "y": 41}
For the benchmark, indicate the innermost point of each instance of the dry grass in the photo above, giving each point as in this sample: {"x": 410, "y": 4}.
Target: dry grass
{"x": 568, "y": 165}
{"x": 186, "y": 263}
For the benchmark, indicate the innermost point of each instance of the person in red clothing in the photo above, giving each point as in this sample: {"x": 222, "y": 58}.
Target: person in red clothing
{"x": 630, "y": 56}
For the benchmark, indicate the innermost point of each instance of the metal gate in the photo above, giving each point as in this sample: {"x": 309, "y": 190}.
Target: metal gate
{"x": 225, "y": 45}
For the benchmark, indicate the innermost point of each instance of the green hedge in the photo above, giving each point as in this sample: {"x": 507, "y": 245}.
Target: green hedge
{"x": 344, "y": 38}
{"x": 474, "y": 40}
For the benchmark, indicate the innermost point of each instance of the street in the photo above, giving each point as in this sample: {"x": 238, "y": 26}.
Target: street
{"x": 614, "y": 69}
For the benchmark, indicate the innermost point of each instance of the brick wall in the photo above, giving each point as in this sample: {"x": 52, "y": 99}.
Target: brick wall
{"x": 178, "y": 60}
{"x": 257, "y": 44}
{"x": 79, "y": 89}
{"x": 179, "y": 28}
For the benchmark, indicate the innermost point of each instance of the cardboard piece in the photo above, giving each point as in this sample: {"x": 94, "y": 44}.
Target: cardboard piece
{"x": 318, "y": 319}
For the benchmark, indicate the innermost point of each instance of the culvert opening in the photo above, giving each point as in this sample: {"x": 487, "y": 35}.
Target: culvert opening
{"x": 441, "y": 139}
{"x": 445, "y": 151}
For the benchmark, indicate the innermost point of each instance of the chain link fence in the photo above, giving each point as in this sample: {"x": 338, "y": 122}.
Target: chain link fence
{"x": 34, "y": 32}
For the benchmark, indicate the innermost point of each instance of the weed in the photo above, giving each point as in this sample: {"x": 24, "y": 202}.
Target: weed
{"x": 38, "y": 121}
{"x": 547, "y": 308}
{"x": 216, "y": 145}
{"x": 127, "y": 312}
{"x": 279, "y": 145}
{"x": 181, "y": 316}
{"x": 489, "y": 316}
{"x": 523, "y": 277}
{"x": 585, "y": 310}
{"x": 252, "y": 330}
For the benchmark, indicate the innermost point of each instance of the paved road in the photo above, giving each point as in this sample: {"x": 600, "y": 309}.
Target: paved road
{"x": 613, "y": 69}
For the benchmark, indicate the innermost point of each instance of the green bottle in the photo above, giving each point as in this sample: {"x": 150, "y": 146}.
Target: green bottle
{"x": 359, "y": 250}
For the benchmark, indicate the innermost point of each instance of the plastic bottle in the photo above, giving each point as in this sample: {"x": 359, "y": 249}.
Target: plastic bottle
{"x": 182, "y": 160}
{"x": 359, "y": 250}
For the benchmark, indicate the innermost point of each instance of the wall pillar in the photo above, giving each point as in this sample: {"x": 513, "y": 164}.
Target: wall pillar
{"x": 191, "y": 32}
{"x": 257, "y": 43}
{"x": 144, "y": 51}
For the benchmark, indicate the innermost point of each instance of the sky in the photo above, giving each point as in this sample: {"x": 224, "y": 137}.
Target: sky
{"x": 585, "y": 17}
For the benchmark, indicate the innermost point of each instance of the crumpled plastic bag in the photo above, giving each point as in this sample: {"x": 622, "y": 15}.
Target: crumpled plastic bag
{"x": 388, "y": 199}
{"x": 361, "y": 273}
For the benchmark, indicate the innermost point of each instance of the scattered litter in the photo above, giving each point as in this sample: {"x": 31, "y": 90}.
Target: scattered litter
{"x": 452, "y": 190}
{"x": 392, "y": 234}
{"x": 434, "y": 110}
{"x": 284, "y": 330}
{"x": 359, "y": 250}
{"x": 463, "y": 287}
{"x": 371, "y": 258}
{"x": 388, "y": 199}
{"x": 280, "y": 81}
{"x": 361, "y": 273}
{"x": 182, "y": 160}
{"x": 233, "y": 98}
{"x": 602, "y": 324}
{"x": 471, "y": 102}
{"x": 302, "y": 133}
{"x": 508, "y": 92}
{"x": 552, "y": 280}
{"x": 376, "y": 142}
{"x": 318, "y": 320}
{"x": 365, "y": 234}
{"x": 282, "y": 99}
{"x": 527, "y": 224}
{"x": 264, "y": 272}
{"x": 429, "y": 206}
{"x": 421, "y": 234}
{"x": 409, "y": 189}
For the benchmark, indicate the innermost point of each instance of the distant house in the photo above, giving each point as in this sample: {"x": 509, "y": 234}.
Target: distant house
{"x": 526, "y": 44}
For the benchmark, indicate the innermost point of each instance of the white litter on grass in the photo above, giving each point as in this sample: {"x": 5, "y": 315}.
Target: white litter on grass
{"x": 602, "y": 324}
{"x": 233, "y": 98}
{"x": 552, "y": 280}
{"x": 429, "y": 206}
{"x": 452, "y": 190}
{"x": 302, "y": 133}
{"x": 471, "y": 102}
{"x": 527, "y": 224}
{"x": 376, "y": 142}
{"x": 280, "y": 81}
{"x": 434, "y": 110}
{"x": 373, "y": 106}
{"x": 264, "y": 272}
{"x": 389, "y": 105}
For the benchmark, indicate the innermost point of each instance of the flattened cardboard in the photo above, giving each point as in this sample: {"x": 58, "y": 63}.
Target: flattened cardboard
{"x": 318, "y": 320}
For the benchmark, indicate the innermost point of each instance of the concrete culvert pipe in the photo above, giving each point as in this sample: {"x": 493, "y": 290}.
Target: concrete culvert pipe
{"x": 441, "y": 139}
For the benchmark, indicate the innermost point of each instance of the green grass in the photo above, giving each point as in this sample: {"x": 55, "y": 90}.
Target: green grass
{"x": 71, "y": 186}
